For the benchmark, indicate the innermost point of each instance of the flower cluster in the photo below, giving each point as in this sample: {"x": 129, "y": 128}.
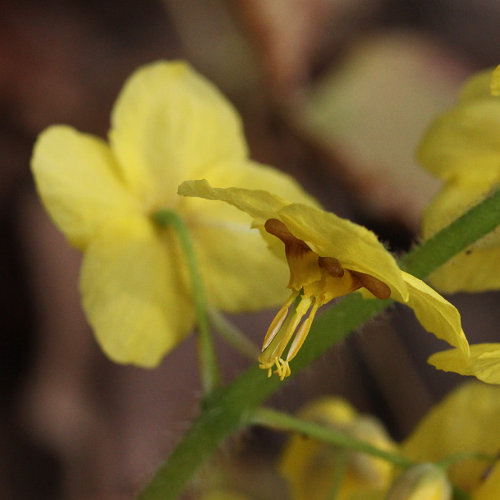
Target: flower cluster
{"x": 176, "y": 147}
{"x": 462, "y": 147}
{"x": 309, "y": 466}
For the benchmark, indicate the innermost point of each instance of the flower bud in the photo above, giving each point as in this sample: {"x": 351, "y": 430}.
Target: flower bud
{"x": 424, "y": 481}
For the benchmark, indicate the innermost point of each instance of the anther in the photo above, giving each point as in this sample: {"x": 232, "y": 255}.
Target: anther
{"x": 332, "y": 266}
{"x": 278, "y": 229}
{"x": 374, "y": 285}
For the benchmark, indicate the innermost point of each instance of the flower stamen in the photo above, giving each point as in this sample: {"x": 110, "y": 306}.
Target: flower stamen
{"x": 301, "y": 335}
{"x": 374, "y": 285}
{"x": 278, "y": 320}
{"x": 332, "y": 266}
{"x": 316, "y": 280}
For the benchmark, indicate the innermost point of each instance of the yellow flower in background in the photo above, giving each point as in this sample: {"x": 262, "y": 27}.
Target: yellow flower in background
{"x": 462, "y": 147}
{"x": 467, "y": 420}
{"x": 424, "y": 481}
{"x": 168, "y": 124}
{"x": 495, "y": 82}
{"x": 483, "y": 362}
{"x": 309, "y": 466}
{"x": 328, "y": 257}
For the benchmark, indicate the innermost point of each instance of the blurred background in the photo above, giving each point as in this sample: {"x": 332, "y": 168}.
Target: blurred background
{"x": 335, "y": 92}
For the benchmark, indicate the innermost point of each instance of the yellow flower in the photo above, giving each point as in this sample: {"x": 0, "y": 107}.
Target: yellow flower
{"x": 424, "y": 481}
{"x": 495, "y": 82}
{"x": 465, "y": 421}
{"x": 483, "y": 362}
{"x": 168, "y": 124}
{"x": 309, "y": 465}
{"x": 328, "y": 257}
{"x": 462, "y": 147}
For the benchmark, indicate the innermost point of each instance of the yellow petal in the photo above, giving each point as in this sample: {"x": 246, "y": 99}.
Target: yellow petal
{"x": 132, "y": 295}
{"x": 78, "y": 182}
{"x": 309, "y": 465}
{"x": 466, "y": 420}
{"x": 169, "y": 124}
{"x": 466, "y": 139}
{"x": 489, "y": 487}
{"x": 469, "y": 272}
{"x": 436, "y": 314}
{"x": 250, "y": 176}
{"x": 476, "y": 87}
{"x": 354, "y": 246}
{"x": 239, "y": 272}
{"x": 477, "y": 268}
{"x": 258, "y": 204}
{"x": 483, "y": 363}
{"x": 326, "y": 234}
{"x": 456, "y": 198}
{"x": 425, "y": 481}
{"x": 495, "y": 82}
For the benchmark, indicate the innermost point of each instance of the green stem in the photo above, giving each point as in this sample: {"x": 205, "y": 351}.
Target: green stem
{"x": 232, "y": 335}
{"x": 284, "y": 422}
{"x": 339, "y": 471}
{"x": 209, "y": 370}
{"x": 461, "y": 233}
{"x": 228, "y": 410}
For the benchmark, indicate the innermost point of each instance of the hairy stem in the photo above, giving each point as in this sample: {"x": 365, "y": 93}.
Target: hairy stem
{"x": 229, "y": 409}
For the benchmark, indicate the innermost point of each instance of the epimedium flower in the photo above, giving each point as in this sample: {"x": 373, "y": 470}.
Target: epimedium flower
{"x": 465, "y": 422}
{"x": 328, "y": 257}
{"x": 462, "y": 147}
{"x": 168, "y": 124}
{"x": 310, "y": 466}
{"x": 483, "y": 362}
{"x": 425, "y": 481}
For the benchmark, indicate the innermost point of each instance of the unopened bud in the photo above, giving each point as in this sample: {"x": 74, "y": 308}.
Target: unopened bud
{"x": 421, "y": 482}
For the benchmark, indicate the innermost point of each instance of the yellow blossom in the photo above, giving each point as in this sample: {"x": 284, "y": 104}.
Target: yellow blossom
{"x": 424, "y": 481}
{"x": 462, "y": 147}
{"x": 309, "y": 465}
{"x": 483, "y": 362}
{"x": 168, "y": 124}
{"x": 328, "y": 257}
{"x": 495, "y": 82}
{"x": 465, "y": 421}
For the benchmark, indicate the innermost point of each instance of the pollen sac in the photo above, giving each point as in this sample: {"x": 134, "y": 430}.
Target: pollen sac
{"x": 278, "y": 229}
{"x": 374, "y": 285}
{"x": 331, "y": 266}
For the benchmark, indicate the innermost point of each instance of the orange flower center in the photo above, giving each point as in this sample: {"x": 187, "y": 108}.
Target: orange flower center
{"x": 314, "y": 281}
